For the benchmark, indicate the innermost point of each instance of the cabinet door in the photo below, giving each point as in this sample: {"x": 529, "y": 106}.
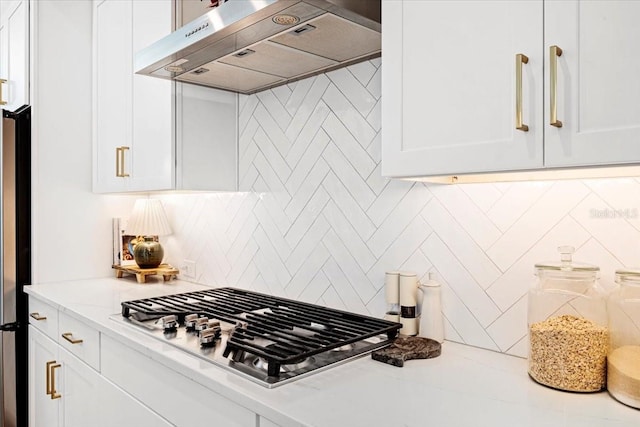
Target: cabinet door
{"x": 112, "y": 95}
{"x": 449, "y": 86}
{"x": 597, "y": 82}
{"x": 90, "y": 400}
{"x": 153, "y": 155}
{"x": 43, "y": 411}
{"x": 14, "y": 59}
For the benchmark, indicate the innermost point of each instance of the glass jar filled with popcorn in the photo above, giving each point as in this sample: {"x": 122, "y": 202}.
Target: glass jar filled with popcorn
{"x": 568, "y": 326}
{"x": 623, "y": 361}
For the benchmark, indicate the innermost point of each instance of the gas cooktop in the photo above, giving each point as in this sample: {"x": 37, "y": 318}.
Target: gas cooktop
{"x": 267, "y": 339}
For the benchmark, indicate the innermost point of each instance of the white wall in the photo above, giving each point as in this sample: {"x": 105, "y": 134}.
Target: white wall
{"x": 72, "y": 226}
{"x": 318, "y": 223}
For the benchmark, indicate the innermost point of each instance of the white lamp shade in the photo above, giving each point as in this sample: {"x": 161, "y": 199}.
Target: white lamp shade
{"x": 148, "y": 219}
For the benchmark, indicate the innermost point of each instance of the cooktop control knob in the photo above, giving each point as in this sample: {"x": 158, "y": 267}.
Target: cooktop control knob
{"x": 201, "y": 324}
{"x": 169, "y": 323}
{"x": 213, "y": 324}
{"x": 190, "y": 321}
{"x": 209, "y": 336}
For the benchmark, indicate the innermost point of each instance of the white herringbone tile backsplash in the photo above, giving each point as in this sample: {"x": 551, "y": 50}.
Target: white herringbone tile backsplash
{"x": 317, "y": 222}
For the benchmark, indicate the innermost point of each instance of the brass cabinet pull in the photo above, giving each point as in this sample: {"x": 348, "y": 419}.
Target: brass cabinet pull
{"x": 120, "y": 173}
{"x": 69, "y": 337}
{"x": 520, "y": 59}
{"x": 2, "y": 101}
{"x": 554, "y": 52}
{"x": 48, "y": 385}
{"x": 54, "y": 393}
{"x": 37, "y": 316}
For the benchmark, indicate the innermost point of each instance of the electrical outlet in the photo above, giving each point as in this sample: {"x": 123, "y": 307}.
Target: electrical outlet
{"x": 189, "y": 269}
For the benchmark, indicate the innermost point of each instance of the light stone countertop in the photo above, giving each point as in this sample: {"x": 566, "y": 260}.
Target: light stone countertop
{"x": 465, "y": 386}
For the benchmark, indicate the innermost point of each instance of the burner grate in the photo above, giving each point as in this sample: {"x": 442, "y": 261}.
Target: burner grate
{"x": 279, "y": 330}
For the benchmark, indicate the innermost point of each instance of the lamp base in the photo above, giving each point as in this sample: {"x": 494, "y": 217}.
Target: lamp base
{"x": 148, "y": 253}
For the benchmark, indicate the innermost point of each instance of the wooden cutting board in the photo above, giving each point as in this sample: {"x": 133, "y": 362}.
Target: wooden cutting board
{"x": 406, "y": 349}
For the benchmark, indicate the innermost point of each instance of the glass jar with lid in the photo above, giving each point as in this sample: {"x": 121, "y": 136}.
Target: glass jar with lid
{"x": 568, "y": 333}
{"x": 623, "y": 362}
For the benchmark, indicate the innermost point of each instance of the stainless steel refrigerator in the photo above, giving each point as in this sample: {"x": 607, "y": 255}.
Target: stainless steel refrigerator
{"x": 16, "y": 265}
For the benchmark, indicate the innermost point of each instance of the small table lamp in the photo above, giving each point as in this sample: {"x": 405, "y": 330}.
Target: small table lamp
{"x": 148, "y": 219}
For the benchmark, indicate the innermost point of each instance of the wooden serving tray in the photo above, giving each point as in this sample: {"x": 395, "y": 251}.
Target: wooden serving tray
{"x": 168, "y": 272}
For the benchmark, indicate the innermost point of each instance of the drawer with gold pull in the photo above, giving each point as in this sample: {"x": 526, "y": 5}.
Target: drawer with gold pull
{"x": 79, "y": 339}
{"x": 43, "y": 317}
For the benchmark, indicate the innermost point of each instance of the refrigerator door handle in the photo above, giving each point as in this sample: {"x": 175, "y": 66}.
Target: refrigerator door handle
{"x": 10, "y": 327}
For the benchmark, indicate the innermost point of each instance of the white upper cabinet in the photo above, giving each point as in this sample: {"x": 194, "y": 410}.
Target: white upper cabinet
{"x": 598, "y": 82}
{"x": 151, "y": 134}
{"x": 133, "y": 144}
{"x": 112, "y": 126}
{"x": 467, "y": 85}
{"x": 14, "y": 54}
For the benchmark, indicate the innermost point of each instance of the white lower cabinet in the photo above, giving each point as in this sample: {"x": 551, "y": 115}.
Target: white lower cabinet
{"x": 43, "y": 410}
{"x": 175, "y": 397}
{"x": 65, "y": 391}
{"x": 80, "y": 377}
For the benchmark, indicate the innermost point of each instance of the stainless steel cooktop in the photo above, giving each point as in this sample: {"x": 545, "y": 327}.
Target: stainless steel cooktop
{"x": 266, "y": 339}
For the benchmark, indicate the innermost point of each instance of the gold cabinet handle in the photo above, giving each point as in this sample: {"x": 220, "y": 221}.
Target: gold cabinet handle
{"x": 120, "y": 173}
{"x": 520, "y": 59}
{"x": 69, "y": 337}
{"x": 48, "y": 385}
{"x": 37, "y": 316}
{"x": 2, "y": 101}
{"x": 54, "y": 394}
{"x": 554, "y": 52}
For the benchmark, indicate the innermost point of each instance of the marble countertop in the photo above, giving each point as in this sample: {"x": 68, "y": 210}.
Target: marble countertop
{"x": 465, "y": 386}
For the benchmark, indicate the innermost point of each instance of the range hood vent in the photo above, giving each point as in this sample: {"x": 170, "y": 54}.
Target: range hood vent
{"x": 247, "y": 46}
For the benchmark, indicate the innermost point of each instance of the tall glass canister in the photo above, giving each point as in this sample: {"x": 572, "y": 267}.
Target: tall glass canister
{"x": 623, "y": 362}
{"x": 568, "y": 333}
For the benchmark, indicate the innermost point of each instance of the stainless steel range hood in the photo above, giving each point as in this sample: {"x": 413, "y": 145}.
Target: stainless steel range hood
{"x": 250, "y": 45}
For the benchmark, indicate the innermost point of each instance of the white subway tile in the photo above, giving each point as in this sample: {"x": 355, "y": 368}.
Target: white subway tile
{"x": 354, "y": 125}
{"x": 460, "y": 281}
{"x": 348, "y": 205}
{"x": 308, "y": 133}
{"x": 463, "y": 322}
{"x": 349, "y": 237}
{"x": 299, "y": 257}
{"x": 303, "y": 277}
{"x": 363, "y": 71}
{"x": 556, "y": 203}
{"x": 358, "y": 95}
{"x": 401, "y": 249}
{"x": 615, "y": 233}
{"x": 347, "y": 299}
{"x": 483, "y": 195}
{"x": 511, "y": 326}
{"x": 307, "y": 161}
{"x": 401, "y": 216}
{"x": 306, "y": 189}
{"x": 519, "y": 278}
{"x": 274, "y": 107}
{"x": 515, "y": 201}
{"x": 271, "y": 153}
{"x": 388, "y": 200}
{"x": 347, "y": 174}
{"x": 358, "y": 281}
{"x": 467, "y": 213}
{"x": 460, "y": 243}
{"x": 311, "y": 211}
